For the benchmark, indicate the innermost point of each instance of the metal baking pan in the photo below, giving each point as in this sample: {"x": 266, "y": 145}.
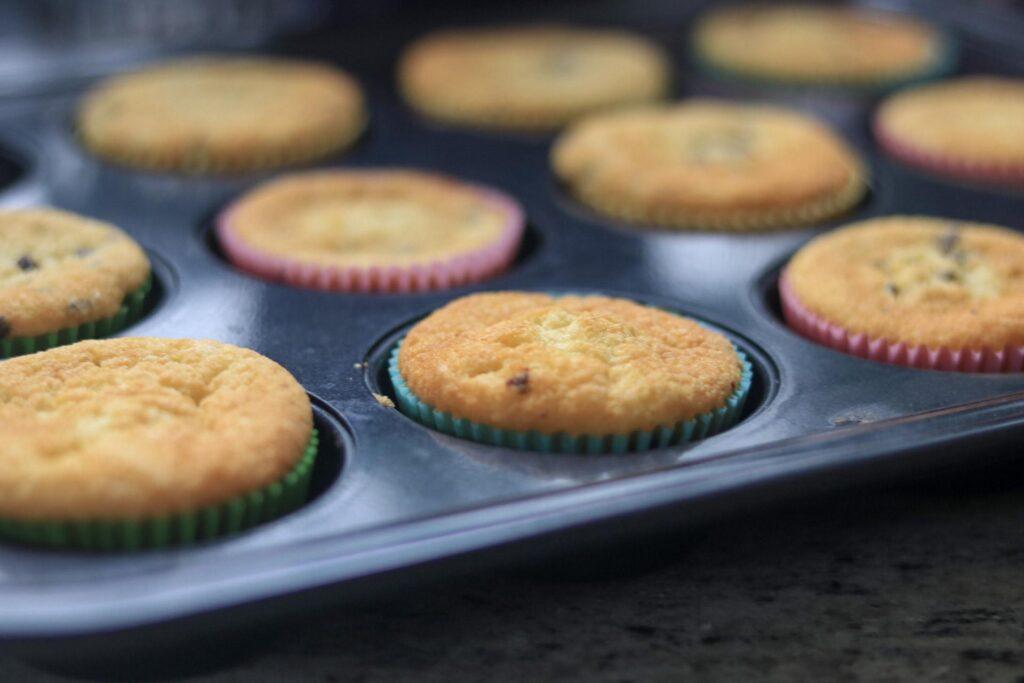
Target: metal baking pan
{"x": 396, "y": 503}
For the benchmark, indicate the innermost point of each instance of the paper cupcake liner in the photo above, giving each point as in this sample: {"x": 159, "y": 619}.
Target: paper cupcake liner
{"x": 942, "y": 64}
{"x": 700, "y": 427}
{"x": 130, "y": 311}
{"x": 214, "y": 521}
{"x": 224, "y": 163}
{"x": 800, "y": 216}
{"x": 816, "y": 328}
{"x": 442, "y": 274}
{"x": 524, "y": 121}
{"x": 948, "y": 165}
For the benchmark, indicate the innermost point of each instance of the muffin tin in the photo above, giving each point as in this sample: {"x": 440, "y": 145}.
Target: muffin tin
{"x": 395, "y": 502}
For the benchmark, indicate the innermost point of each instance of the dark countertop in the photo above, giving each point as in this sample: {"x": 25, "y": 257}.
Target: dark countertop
{"x": 893, "y": 585}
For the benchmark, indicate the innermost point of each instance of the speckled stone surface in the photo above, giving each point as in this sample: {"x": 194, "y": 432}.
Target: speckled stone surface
{"x": 896, "y": 585}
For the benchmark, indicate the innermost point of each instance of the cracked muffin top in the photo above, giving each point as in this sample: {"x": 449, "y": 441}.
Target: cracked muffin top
{"x": 140, "y": 427}
{"x": 575, "y": 364}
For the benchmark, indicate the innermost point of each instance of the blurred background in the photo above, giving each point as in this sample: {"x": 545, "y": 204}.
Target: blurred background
{"x": 50, "y": 45}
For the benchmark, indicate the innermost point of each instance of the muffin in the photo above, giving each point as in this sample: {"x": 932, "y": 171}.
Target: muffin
{"x": 222, "y": 115}
{"x": 814, "y": 45}
{"x": 142, "y": 442}
{"x": 568, "y": 374}
{"x": 528, "y": 77}
{"x": 371, "y": 231}
{"x": 709, "y": 164}
{"x": 915, "y": 291}
{"x": 970, "y": 128}
{"x": 64, "y": 277}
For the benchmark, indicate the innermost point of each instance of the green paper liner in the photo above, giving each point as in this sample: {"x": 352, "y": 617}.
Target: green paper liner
{"x": 207, "y": 523}
{"x": 945, "y": 60}
{"x": 700, "y": 427}
{"x": 130, "y": 311}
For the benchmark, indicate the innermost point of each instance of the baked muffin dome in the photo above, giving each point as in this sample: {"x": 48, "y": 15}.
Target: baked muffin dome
{"x": 61, "y": 271}
{"x": 709, "y": 164}
{"x": 970, "y": 128}
{"x": 529, "y": 77}
{"x": 913, "y": 290}
{"x": 807, "y": 44}
{"x": 137, "y": 428}
{"x": 222, "y": 114}
{"x": 575, "y": 364}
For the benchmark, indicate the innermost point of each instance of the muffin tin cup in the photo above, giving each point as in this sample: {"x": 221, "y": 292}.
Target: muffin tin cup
{"x": 206, "y": 523}
{"x": 685, "y": 431}
{"x": 130, "y": 312}
{"x": 816, "y": 328}
{"x": 945, "y": 165}
{"x": 444, "y": 274}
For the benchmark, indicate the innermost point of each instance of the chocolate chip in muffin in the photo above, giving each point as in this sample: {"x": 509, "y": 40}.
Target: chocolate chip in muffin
{"x": 892, "y": 288}
{"x": 949, "y": 241}
{"x": 520, "y": 382}
{"x": 27, "y": 263}
{"x": 82, "y": 252}
{"x": 79, "y": 306}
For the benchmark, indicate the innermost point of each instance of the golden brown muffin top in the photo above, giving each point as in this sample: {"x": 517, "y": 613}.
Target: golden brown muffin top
{"x": 529, "y": 76}
{"x": 132, "y": 428}
{"x": 578, "y": 364}
{"x": 369, "y": 218}
{"x": 976, "y": 118}
{"x": 222, "y": 114}
{"x": 705, "y": 157}
{"x": 807, "y": 42}
{"x": 917, "y": 280}
{"x": 58, "y": 270}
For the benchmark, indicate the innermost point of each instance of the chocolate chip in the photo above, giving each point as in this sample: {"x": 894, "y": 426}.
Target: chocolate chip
{"x": 82, "y": 252}
{"x": 560, "y": 62}
{"x": 5, "y": 327}
{"x": 26, "y": 262}
{"x": 79, "y": 306}
{"x": 520, "y": 382}
{"x": 948, "y": 241}
{"x": 892, "y": 288}
{"x": 948, "y": 276}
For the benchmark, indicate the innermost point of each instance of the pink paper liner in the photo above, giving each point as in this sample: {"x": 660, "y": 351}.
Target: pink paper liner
{"x": 1000, "y": 174}
{"x": 816, "y": 328}
{"x": 443, "y": 274}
